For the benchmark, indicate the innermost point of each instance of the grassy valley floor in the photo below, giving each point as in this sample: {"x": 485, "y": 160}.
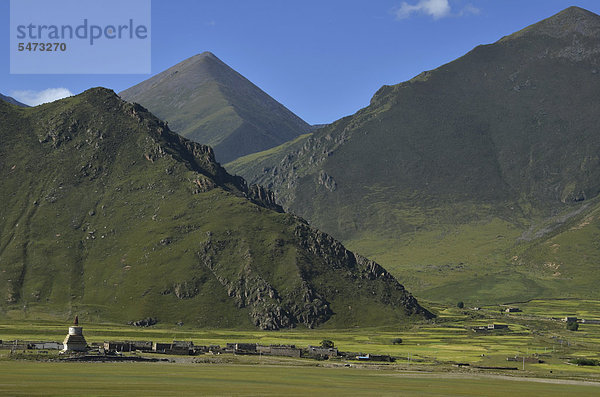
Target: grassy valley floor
{"x": 435, "y": 349}
{"x": 70, "y": 379}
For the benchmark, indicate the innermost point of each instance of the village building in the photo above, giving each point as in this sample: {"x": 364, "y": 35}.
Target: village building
{"x": 489, "y": 327}
{"x": 279, "y": 350}
{"x": 285, "y": 351}
{"x": 177, "y": 347}
{"x": 241, "y": 348}
{"x": 45, "y": 345}
{"x": 200, "y": 349}
{"x": 128, "y": 346}
{"x": 117, "y": 346}
{"x": 74, "y": 341}
{"x": 144, "y": 346}
{"x": 159, "y": 347}
{"x": 182, "y": 347}
{"x": 497, "y": 326}
{"x": 322, "y": 351}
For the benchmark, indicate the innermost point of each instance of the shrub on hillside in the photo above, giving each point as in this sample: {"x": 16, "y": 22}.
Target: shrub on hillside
{"x": 585, "y": 361}
{"x": 572, "y": 325}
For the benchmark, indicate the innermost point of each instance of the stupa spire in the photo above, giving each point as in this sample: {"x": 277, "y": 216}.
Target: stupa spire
{"x": 75, "y": 340}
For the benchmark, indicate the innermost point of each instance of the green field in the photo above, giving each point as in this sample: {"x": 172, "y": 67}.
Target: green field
{"x": 31, "y": 378}
{"x": 434, "y": 348}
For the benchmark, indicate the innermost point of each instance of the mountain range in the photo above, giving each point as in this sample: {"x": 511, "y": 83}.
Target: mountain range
{"x": 206, "y": 101}
{"x": 470, "y": 180}
{"x": 11, "y": 100}
{"x": 108, "y": 214}
{"x": 478, "y": 181}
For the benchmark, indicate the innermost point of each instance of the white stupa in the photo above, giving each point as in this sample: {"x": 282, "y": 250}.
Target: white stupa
{"x": 75, "y": 340}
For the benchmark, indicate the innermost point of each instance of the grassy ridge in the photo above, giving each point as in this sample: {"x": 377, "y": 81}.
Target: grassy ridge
{"x": 243, "y": 163}
{"x": 108, "y": 214}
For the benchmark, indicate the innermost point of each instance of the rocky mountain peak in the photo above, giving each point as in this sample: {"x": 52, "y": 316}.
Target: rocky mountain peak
{"x": 200, "y": 61}
{"x": 206, "y": 55}
{"x": 572, "y": 20}
{"x": 209, "y": 102}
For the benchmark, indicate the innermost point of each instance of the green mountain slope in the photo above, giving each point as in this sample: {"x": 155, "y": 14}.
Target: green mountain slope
{"x": 206, "y": 101}
{"x": 440, "y": 177}
{"x": 108, "y": 214}
{"x": 569, "y": 254}
{"x": 11, "y": 100}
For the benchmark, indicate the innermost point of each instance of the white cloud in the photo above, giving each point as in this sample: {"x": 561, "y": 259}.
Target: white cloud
{"x": 436, "y": 9}
{"x": 469, "y": 9}
{"x": 34, "y": 98}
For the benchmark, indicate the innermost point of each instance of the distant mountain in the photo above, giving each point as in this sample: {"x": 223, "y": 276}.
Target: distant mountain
{"x": 317, "y": 126}
{"x": 449, "y": 179}
{"x": 108, "y": 214}
{"x": 12, "y": 100}
{"x": 206, "y": 101}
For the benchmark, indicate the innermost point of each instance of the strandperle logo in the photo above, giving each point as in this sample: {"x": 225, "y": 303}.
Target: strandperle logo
{"x": 80, "y": 36}
{"x": 85, "y": 31}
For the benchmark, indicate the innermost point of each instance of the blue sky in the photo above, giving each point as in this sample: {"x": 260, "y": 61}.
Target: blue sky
{"x": 322, "y": 59}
